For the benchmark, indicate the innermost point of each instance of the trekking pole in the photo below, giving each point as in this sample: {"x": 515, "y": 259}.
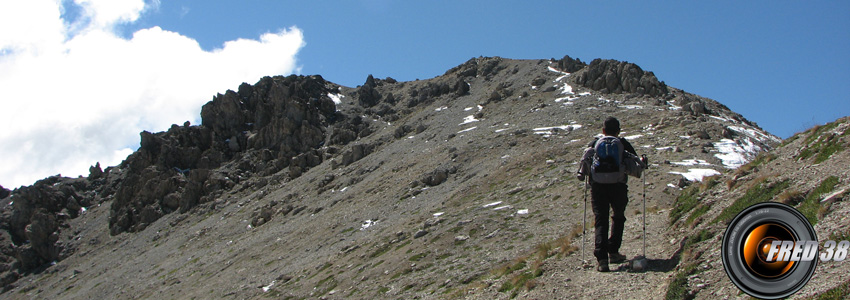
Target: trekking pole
{"x": 640, "y": 263}
{"x": 644, "y": 206}
{"x": 584, "y": 218}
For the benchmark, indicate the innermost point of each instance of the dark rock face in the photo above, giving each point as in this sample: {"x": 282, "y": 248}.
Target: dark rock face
{"x": 569, "y": 65}
{"x": 482, "y": 66}
{"x": 35, "y": 219}
{"x": 367, "y": 95}
{"x": 277, "y": 123}
{"x": 612, "y": 76}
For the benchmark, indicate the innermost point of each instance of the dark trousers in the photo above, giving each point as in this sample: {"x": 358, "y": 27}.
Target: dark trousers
{"x": 604, "y": 197}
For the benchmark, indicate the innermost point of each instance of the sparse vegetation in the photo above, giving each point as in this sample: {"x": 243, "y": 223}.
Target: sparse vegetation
{"x": 678, "y": 287}
{"x": 752, "y": 166}
{"x": 380, "y": 250}
{"x": 842, "y": 291}
{"x": 810, "y": 207}
{"x": 418, "y": 257}
{"x": 821, "y": 143}
{"x": 690, "y": 199}
{"x": 686, "y": 201}
{"x": 702, "y": 235}
{"x": 840, "y": 236}
{"x": 325, "y": 285}
{"x": 698, "y": 212}
{"x": 790, "y": 197}
{"x": 761, "y": 191}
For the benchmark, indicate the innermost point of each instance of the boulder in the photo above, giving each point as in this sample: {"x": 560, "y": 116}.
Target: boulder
{"x": 538, "y": 81}
{"x": 95, "y": 172}
{"x": 438, "y": 176}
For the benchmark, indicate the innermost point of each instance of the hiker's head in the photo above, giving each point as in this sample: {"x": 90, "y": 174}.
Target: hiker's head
{"x": 611, "y": 126}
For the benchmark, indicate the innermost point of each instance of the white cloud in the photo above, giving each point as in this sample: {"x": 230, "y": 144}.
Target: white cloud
{"x": 76, "y": 93}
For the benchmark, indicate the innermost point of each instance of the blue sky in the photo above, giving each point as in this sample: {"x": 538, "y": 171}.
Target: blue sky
{"x": 783, "y": 64}
{"x": 133, "y": 65}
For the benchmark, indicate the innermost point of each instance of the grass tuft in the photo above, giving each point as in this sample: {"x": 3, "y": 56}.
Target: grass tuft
{"x": 810, "y": 207}
{"x": 759, "y": 192}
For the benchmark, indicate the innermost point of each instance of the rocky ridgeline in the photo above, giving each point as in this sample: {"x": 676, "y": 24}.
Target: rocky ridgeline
{"x": 257, "y": 131}
{"x": 278, "y": 123}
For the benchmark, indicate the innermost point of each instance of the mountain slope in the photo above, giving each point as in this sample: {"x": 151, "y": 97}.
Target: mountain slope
{"x": 446, "y": 187}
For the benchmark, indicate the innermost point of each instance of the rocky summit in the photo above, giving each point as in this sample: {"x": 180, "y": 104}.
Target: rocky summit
{"x": 459, "y": 186}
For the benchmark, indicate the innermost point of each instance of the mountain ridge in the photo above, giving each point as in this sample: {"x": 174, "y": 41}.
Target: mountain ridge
{"x": 376, "y": 174}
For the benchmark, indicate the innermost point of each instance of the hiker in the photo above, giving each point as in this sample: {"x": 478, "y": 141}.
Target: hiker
{"x": 605, "y": 164}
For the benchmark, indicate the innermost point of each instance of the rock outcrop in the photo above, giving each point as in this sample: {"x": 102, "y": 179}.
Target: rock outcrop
{"x": 569, "y": 64}
{"x": 35, "y": 220}
{"x": 612, "y": 76}
{"x": 279, "y": 122}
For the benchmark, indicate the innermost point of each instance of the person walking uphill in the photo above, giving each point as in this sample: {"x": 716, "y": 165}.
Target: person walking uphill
{"x": 605, "y": 164}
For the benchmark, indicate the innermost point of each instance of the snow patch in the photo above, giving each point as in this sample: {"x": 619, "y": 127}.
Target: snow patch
{"x": 336, "y": 98}
{"x": 691, "y": 162}
{"x": 733, "y": 154}
{"x": 569, "y": 100}
{"x": 632, "y": 137}
{"x": 673, "y": 106}
{"x": 631, "y": 106}
{"x": 752, "y": 133}
{"x": 441, "y": 108}
{"x": 438, "y": 214}
{"x": 268, "y": 287}
{"x": 492, "y": 204}
{"x": 469, "y": 119}
{"x": 720, "y": 118}
{"x": 557, "y": 71}
{"x": 697, "y": 174}
{"x": 367, "y": 224}
{"x": 522, "y": 212}
{"x": 550, "y": 130}
{"x": 562, "y": 127}
{"x": 566, "y": 89}
{"x": 468, "y": 129}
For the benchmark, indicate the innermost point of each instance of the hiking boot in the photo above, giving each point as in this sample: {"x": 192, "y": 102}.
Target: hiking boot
{"x": 616, "y": 258}
{"x": 603, "y": 266}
